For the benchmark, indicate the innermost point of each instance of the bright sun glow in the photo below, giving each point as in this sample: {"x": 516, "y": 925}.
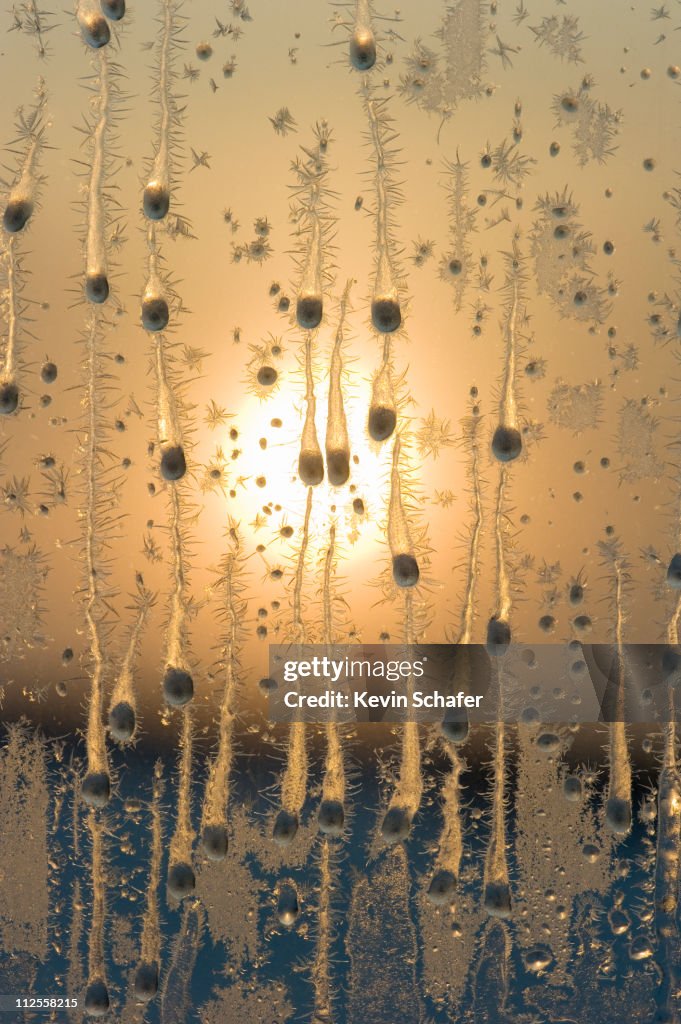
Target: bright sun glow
{"x": 275, "y": 472}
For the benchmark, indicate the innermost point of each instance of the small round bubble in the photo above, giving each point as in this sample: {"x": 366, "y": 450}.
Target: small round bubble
{"x": 590, "y": 852}
{"x": 455, "y": 729}
{"x": 331, "y": 817}
{"x": 287, "y": 905}
{"x": 338, "y": 467}
{"x": 114, "y": 9}
{"x": 311, "y": 468}
{"x": 442, "y": 887}
{"x": 17, "y": 214}
{"x": 94, "y": 29}
{"x": 285, "y": 828}
{"x": 537, "y": 958}
{"x": 582, "y": 623}
{"x": 97, "y": 998}
{"x": 507, "y": 444}
{"x": 498, "y": 636}
{"x": 386, "y": 315}
{"x": 178, "y": 686}
{"x": 674, "y": 572}
{"x": 309, "y": 311}
{"x": 497, "y": 900}
{"x": 548, "y": 742}
{"x": 362, "y": 48}
{"x": 156, "y": 200}
{"x": 181, "y": 880}
{"x": 9, "y": 398}
{"x": 382, "y": 422}
{"x": 146, "y": 982}
{"x": 619, "y": 921}
{"x": 396, "y": 825}
{"x": 155, "y": 314}
{"x": 96, "y": 789}
{"x": 640, "y": 948}
{"x": 173, "y": 464}
{"x": 96, "y": 288}
{"x": 214, "y": 842}
{"x": 618, "y": 815}
{"x": 405, "y": 570}
{"x": 530, "y": 716}
{"x": 122, "y": 721}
